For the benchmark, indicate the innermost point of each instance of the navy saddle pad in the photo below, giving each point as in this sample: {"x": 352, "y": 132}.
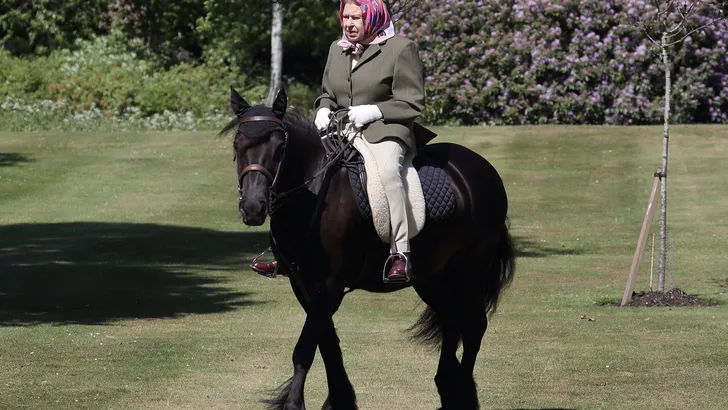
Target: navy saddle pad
{"x": 436, "y": 187}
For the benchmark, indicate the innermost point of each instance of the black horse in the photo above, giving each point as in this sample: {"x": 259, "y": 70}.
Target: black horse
{"x": 324, "y": 246}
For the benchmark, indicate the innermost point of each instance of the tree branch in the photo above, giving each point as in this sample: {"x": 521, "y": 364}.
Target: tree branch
{"x": 670, "y": 5}
{"x": 660, "y": 13}
{"x": 647, "y": 33}
{"x": 400, "y": 8}
{"x": 694, "y": 30}
{"x": 686, "y": 15}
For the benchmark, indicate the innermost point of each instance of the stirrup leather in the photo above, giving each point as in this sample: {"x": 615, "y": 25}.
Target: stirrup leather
{"x": 407, "y": 268}
{"x": 267, "y": 275}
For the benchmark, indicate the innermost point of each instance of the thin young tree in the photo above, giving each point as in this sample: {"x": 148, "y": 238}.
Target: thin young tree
{"x": 276, "y": 50}
{"x": 670, "y": 23}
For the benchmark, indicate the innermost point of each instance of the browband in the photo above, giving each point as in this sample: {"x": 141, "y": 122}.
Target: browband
{"x": 262, "y": 118}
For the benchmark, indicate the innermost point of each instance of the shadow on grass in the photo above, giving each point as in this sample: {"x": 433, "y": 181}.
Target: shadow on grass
{"x": 9, "y": 159}
{"x": 526, "y": 248}
{"x": 98, "y": 273}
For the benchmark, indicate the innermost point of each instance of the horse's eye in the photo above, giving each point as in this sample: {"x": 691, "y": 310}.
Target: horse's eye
{"x": 278, "y": 153}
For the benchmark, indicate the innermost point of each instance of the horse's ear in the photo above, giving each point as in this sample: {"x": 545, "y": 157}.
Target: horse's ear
{"x": 279, "y": 105}
{"x": 238, "y": 103}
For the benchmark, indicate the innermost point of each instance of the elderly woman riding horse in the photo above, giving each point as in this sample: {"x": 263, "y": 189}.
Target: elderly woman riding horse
{"x": 378, "y": 76}
{"x": 464, "y": 258}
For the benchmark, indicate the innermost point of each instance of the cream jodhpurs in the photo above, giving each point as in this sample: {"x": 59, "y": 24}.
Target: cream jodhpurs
{"x": 389, "y": 155}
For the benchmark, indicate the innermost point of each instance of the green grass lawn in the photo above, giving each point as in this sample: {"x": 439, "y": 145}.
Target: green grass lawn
{"x": 124, "y": 281}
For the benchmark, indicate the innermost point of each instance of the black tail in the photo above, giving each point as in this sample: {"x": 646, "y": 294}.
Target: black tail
{"x": 281, "y": 395}
{"x": 427, "y": 329}
{"x": 501, "y": 270}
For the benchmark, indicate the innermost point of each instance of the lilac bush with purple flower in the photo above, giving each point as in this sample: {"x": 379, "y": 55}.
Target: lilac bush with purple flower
{"x": 567, "y": 62}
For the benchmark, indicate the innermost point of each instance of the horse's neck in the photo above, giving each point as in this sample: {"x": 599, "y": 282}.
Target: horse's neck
{"x": 303, "y": 158}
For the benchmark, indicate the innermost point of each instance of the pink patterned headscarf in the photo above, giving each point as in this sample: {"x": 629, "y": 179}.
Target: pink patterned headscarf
{"x": 377, "y": 24}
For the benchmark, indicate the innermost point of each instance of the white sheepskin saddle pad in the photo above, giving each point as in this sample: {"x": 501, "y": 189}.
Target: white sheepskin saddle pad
{"x": 378, "y": 200}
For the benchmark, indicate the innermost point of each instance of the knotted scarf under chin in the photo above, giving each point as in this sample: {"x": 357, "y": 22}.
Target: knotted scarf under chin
{"x": 376, "y": 22}
{"x": 358, "y": 48}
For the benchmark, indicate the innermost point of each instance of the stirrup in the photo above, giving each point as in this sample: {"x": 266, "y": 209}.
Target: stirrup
{"x": 267, "y": 275}
{"x": 407, "y": 269}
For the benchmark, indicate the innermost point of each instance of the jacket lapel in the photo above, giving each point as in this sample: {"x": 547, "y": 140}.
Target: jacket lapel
{"x": 367, "y": 55}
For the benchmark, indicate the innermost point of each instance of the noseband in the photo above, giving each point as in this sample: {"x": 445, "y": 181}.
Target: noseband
{"x": 258, "y": 167}
{"x": 334, "y": 154}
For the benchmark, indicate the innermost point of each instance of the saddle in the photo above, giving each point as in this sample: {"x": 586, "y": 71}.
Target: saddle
{"x": 429, "y": 189}
{"x": 438, "y": 196}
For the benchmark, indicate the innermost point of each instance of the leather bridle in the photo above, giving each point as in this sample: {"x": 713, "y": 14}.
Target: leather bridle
{"x": 258, "y": 167}
{"x": 334, "y": 154}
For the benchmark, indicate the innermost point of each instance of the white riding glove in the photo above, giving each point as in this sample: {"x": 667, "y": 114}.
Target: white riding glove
{"x": 362, "y": 115}
{"x": 322, "y": 119}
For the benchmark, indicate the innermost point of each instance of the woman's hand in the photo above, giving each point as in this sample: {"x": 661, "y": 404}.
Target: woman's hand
{"x": 322, "y": 118}
{"x": 362, "y": 115}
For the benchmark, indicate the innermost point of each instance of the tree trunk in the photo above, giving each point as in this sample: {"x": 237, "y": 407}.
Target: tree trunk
{"x": 276, "y": 47}
{"x": 662, "y": 263}
{"x": 148, "y": 22}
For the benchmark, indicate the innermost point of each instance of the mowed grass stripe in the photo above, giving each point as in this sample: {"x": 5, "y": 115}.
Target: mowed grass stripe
{"x": 133, "y": 291}
{"x": 121, "y": 177}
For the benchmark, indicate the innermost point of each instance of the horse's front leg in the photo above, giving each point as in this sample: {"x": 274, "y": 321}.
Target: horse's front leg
{"x": 318, "y": 316}
{"x": 341, "y": 392}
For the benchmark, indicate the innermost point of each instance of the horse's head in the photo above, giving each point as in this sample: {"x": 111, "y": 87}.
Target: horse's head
{"x": 259, "y": 144}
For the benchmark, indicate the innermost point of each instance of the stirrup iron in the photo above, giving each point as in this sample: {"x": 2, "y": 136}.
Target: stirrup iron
{"x": 267, "y": 275}
{"x": 407, "y": 269}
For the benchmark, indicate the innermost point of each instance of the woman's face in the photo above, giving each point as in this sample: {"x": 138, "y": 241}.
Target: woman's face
{"x": 353, "y": 23}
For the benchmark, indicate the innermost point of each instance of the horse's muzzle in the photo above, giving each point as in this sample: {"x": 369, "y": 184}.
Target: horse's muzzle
{"x": 254, "y": 211}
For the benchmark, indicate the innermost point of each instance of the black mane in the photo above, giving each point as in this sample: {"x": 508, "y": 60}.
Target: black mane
{"x": 299, "y": 123}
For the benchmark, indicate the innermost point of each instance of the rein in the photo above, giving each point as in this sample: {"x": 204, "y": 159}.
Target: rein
{"x": 336, "y": 147}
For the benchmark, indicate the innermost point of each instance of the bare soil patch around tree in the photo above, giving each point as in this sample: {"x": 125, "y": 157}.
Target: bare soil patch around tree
{"x": 675, "y": 297}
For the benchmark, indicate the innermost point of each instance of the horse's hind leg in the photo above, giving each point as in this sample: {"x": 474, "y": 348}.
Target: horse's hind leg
{"x": 439, "y": 325}
{"x": 462, "y": 316}
{"x": 473, "y": 325}
{"x": 475, "y": 301}
{"x": 448, "y": 368}
{"x": 341, "y": 392}
{"x": 467, "y": 323}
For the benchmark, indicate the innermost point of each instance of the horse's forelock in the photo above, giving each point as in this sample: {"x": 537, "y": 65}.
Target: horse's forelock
{"x": 232, "y": 125}
{"x": 295, "y": 121}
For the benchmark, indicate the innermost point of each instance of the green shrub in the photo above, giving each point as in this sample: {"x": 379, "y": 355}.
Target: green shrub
{"x": 25, "y": 76}
{"x": 200, "y": 89}
{"x": 103, "y": 72}
{"x": 105, "y": 78}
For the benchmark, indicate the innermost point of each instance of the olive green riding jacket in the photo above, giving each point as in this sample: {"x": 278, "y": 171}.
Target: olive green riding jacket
{"x": 389, "y": 75}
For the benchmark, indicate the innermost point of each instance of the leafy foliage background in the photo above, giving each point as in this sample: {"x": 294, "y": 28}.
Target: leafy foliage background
{"x": 571, "y": 62}
{"x": 487, "y": 62}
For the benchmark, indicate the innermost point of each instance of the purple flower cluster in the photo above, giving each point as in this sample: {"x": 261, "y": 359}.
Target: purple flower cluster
{"x": 568, "y": 62}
